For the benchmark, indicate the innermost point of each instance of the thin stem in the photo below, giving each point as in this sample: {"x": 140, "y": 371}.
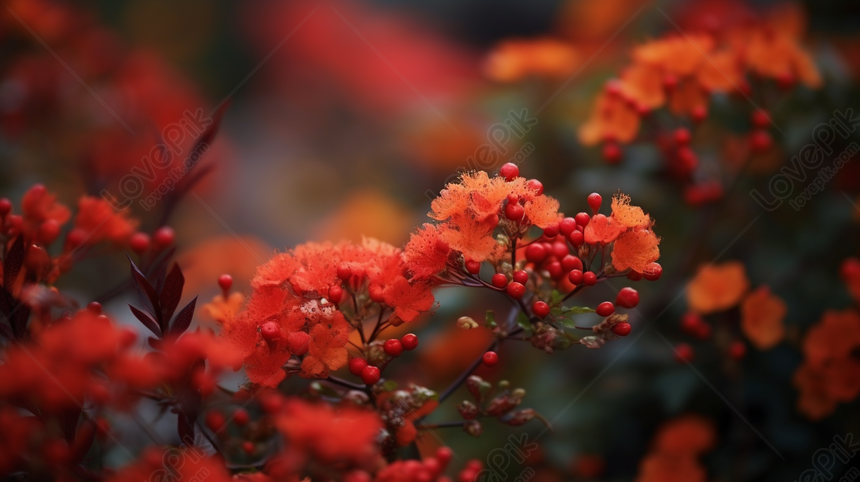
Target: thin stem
{"x": 344, "y": 383}
{"x": 431, "y": 426}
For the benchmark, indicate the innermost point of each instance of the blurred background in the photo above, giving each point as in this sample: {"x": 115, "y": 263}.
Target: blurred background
{"x": 342, "y": 119}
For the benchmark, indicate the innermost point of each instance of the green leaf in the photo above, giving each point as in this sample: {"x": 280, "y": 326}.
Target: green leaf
{"x": 524, "y": 323}
{"x": 555, "y": 298}
{"x": 566, "y": 322}
{"x": 576, "y": 310}
{"x": 490, "y": 319}
{"x": 390, "y": 385}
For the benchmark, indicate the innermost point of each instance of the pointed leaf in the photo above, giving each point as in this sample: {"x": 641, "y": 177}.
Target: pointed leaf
{"x": 13, "y": 262}
{"x": 183, "y": 318}
{"x": 158, "y": 270}
{"x": 577, "y": 310}
{"x": 145, "y": 291}
{"x": 566, "y": 322}
{"x": 146, "y": 320}
{"x": 171, "y": 292}
{"x": 490, "y": 319}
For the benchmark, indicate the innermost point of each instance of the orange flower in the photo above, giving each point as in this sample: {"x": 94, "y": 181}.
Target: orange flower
{"x": 832, "y": 338}
{"x": 224, "y": 310}
{"x": 627, "y": 215}
{"x": 602, "y": 229}
{"x": 689, "y": 434}
{"x": 613, "y": 118}
{"x": 635, "y": 250}
{"x": 762, "y": 315}
{"x": 426, "y": 253}
{"x": 661, "y": 467}
{"x": 830, "y": 373}
{"x": 717, "y": 287}
{"x": 98, "y": 220}
{"x": 513, "y": 60}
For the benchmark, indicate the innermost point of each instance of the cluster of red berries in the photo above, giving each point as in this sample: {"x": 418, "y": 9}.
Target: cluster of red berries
{"x": 694, "y": 325}
{"x": 393, "y": 347}
{"x": 162, "y": 238}
{"x": 760, "y": 138}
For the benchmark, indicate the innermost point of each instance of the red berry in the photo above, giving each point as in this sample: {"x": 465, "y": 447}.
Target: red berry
{"x": 627, "y": 298}
{"x": 225, "y": 281}
{"x": 95, "y": 307}
{"x": 760, "y": 141}
{"x": 567, "y": 226}
{"x": 48, "y": 232}
{"x": 560, "y": 249}
{"x": 570, "y": 262}
{"x": 684, "y": 353}
{"x": 576, "y": 238}
{"x": 410, "y": 341}
{"x": 589, "y": 278}
{"x": 393, "y": 347}
{"x": 515, "y": 290}
{"x": 555, "y": 270}
{"x": 473, "y": 266}
{"x": 520, "y": 276}
{"x": 653, "y": 272}
{"x": 634, "y": 275}
{"x": 621, "y": 329}
{"x": 670, "y": 82}
{"x": 490, "y": 359}
{"x": 270, "y": 331}
{"x": 163, "y": 237}
{"x": 785, "y": 81}
{"x": 575, "y": 277}
{"x": 582, "y": 219}
{"x": 139, "y": 242}
{"x": 335, "y": 294}
{"x": 703, "y": 331}
{"x": 444, "y": 456}
{"x": 248, "y": 447}
{"x": 682, "y": 136}
{"x": 535, "y": 253}
{"x": 356, "y": 366}
{"x": 74, "y": 238}
{"x": 5, "y": 207}
{"x": 613, "y": 87}
{"x": 737, "y": 350}
{"x": 541, "y": 309}
{"x": 214, "y": 420}
{"x": 760, "y": 119}
{"x": 241, "y": 417}
{"x": 513, "y": 198}
{"x": 688, "y": 159}
{"x": 550, "y": 231}
{"x": 509, "y": 171}
{"x": 605, "y": 309}
{"x": 594, "y": 201}
{"x": 499, "y": 280}
{"x": 514, "y": 212}
{"x": 370, "y": 375}
{"x": 699, "y": 114}
{"x": 535, "y": 186}
{"x": 690, "y": 323}
{"x": 344, "y": 272}
{"x": 611, "y": 153}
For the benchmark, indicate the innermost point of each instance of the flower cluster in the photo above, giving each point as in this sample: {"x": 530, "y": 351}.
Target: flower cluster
{"x": 677, "y": 447}
{"x": 830, "y": 373}
{"x": 719, "y": 287}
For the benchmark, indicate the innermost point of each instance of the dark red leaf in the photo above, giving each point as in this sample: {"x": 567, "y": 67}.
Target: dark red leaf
{"x": 13, "y": 262}
{"x": 146, "y": 320}
{"x": 145, "y": 291}
{"x": 171, "y": 292}
{"x": 183, "y": 318}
